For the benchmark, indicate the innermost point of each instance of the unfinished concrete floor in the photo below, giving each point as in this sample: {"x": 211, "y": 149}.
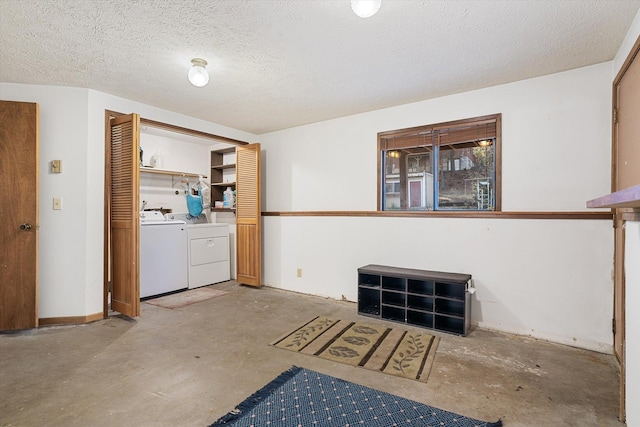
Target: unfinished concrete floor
{"x": 189, "y": 366}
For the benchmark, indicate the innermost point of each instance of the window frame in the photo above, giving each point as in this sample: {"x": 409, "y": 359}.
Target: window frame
{"x": 382, "y": 146}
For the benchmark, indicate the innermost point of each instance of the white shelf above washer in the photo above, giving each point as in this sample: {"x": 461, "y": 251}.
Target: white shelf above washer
{"x": 146, "y": 169}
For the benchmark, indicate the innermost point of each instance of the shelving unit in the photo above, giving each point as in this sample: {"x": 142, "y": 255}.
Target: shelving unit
{"x": 218, "y": 168}
{"x": 430, "y": 299}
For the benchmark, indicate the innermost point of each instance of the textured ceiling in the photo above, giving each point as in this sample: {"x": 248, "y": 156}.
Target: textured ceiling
{"x": 278, "y": 64}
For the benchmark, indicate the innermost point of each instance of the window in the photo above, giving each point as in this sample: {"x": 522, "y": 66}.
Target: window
{"x": 446, "y": 166}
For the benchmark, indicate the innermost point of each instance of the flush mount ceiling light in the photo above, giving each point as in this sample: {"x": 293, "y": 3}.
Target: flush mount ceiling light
{"x": 198, "y": 75}
{"x": 365, "y": 8}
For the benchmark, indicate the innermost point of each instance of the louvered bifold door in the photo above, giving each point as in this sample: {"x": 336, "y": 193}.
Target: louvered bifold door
{"x": 125, "y": 223}
{"x": 248, "y": 219}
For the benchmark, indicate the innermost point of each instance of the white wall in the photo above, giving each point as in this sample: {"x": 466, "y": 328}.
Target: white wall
{"x": 542, "y": 278}
{"x": 632, "y": 356}
{"x": 177, "y": 155}
{"x": 70, "y": 274}
{"x": 632, "y": 278}
{"x": 546, "y": 278}
{"x": 553, "y": 130}
{"x": 159, "y": 191}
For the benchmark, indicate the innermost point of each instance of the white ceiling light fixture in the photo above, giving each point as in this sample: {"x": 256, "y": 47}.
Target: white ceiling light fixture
{"x": 365, "y": 8}
{"x": 198, "y": 75}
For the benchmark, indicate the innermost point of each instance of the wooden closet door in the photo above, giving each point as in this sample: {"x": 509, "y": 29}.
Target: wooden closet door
{"x": 124, "y": 214}
{"x": 248, "y": 216}
{"x": 19, "y": 181}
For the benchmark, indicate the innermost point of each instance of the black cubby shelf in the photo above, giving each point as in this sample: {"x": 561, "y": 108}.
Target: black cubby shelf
{"x": 430, "y": 299}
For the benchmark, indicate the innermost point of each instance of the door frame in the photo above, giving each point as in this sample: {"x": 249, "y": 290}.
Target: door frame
{"x": 621, "y": 215}
{"x": 108, "y": 115}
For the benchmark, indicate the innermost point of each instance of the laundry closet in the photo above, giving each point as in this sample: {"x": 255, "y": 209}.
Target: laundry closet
{"x": 181, "y": 236}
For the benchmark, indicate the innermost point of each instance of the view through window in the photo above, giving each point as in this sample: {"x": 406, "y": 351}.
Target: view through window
{"x": 446, "y": 166}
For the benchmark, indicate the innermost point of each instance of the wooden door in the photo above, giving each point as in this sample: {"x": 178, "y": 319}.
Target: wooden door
{"x": 19, "y": 134}
{"x": 124, "y": 189}
{"x": 248, "y": 216}
{"x": 627, "y": 156}
{"x": 625, "y": 173}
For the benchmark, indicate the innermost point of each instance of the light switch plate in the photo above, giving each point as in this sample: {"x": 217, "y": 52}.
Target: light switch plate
{"x": 56, "y": 166}
{"x": 57, "y": 203}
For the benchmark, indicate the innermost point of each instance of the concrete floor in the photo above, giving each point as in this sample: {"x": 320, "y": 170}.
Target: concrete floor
{"x": 191, "y": 365}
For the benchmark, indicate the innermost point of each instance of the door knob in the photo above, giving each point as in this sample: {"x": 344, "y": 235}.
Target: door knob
{"x": 25, "y": 227}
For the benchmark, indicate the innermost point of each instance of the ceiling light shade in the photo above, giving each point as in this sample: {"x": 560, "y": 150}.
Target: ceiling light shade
{"x": 198, "y": 75}
{"x": 365, "y": 8}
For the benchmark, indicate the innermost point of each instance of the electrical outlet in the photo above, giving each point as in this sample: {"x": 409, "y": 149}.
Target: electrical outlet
{"x": 299, "y": 272}
{"x": 57, "y": 203}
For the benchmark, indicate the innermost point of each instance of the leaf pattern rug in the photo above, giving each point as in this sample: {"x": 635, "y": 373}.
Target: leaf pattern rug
{"x": 403, "y": 353}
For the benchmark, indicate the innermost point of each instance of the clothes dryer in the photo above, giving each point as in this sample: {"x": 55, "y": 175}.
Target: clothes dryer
{"x": 208, "y": 254}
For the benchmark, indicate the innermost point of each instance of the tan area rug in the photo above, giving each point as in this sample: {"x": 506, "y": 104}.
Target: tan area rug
{"x": 398, "y": 352}
{"x": 182, "y": 299}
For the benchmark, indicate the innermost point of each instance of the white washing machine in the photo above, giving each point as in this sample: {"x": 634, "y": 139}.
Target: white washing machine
{"x": 208, "y": 253}
{"x": 163, "y": 254}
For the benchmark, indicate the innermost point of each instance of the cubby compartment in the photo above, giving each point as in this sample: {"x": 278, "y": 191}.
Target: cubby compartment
{"x": 450, "y": 290}
{"x": 394, "y": 283}
{"x": 422, "y": 287}
{"x": 393, "y": 313}
{"x": 453, "y": 325}
{"x": 429, "y": 299}
{"x": 371, "y": 280}
{"x": 368, "y": 301}
{"x": 420, "y": 318}
{"x": 450, "y": 307}
{"x": 419, "y": 302}
{"x": 394, "y": 298}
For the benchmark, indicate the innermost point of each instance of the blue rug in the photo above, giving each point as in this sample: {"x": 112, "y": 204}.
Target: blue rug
{"x": 300, "y": 397}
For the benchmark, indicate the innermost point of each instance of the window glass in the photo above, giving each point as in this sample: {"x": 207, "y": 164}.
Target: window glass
{"x": 465, "y": 179}
{"x": 392, "y": 180}
{"x": 450, "y": 166}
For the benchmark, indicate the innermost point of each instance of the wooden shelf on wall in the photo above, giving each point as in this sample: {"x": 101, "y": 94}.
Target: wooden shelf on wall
{"x": 170, "y": 173}
{"x": 627, "y": 198}
{"x": 227, "y": 166}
